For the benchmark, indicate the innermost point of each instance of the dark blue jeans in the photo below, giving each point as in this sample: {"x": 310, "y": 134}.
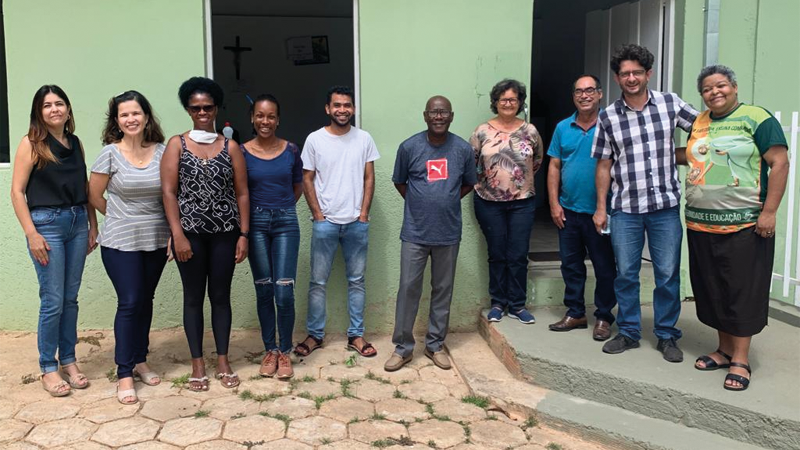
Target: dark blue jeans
{"x": 578, "y": 237}
{"x": 507, "y": 228}
{"x": 274, "y": 244}
{"x": 135, "y": 277}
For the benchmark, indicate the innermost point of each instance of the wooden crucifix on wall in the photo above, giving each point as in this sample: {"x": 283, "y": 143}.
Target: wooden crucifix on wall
{"x": 237, "y": 55}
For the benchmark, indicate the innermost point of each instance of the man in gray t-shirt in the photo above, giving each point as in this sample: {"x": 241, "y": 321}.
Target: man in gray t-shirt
{"x": 434, "y": 169}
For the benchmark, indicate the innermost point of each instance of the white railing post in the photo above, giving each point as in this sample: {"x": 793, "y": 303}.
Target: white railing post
{"x": 791, "y": 229}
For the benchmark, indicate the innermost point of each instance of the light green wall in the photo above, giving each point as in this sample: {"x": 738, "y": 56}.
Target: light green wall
{"x": 409, "y": 51}
{"x": 93, "y": 50}
{"x": 760, "y": 41}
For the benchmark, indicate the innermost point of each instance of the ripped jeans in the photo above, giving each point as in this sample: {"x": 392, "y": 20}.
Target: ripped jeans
{"x": 274, "y": 243}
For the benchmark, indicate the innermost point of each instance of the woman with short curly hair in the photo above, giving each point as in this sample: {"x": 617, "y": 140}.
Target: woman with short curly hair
{"x": 508, "y": 151}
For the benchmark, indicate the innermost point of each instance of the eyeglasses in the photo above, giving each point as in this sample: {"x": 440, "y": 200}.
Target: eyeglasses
{"x": 443, "y": 113}
{"x": 508, "y": 101}
{"x": 197, "y": 109}
{"x": 636, "y": 73}
{"x": 588, "y": 91}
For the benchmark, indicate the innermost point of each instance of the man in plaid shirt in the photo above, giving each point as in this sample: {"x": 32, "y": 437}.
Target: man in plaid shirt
{"x": 636, "y": 159}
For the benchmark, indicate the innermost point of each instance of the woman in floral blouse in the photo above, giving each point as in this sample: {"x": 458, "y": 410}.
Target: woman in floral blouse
{"x": 508, "y": 152}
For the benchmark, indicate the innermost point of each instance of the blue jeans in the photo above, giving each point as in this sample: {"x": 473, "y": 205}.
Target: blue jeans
{"x": 664, "y": 233}
{"x": 274, "y": 244}
{"x": 507, "y": 228}
{"x": 325, "y": 239}
{"x": 135, "y": 276}
{"x": 578, "y": 237}
{"x": 66, "y": 231}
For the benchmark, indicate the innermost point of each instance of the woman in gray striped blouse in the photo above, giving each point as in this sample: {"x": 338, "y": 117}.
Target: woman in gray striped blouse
{"x": 135, "y": 233}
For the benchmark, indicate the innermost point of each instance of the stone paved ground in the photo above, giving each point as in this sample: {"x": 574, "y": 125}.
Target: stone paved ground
{"x": 337, "y": 400}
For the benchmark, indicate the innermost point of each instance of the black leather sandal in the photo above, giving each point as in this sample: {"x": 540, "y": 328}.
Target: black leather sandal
{"x": 363, "y": 350}
{"x": 745, "y": 382}
{"x": 302, "y": 349}
{"x": 709, "y": 362}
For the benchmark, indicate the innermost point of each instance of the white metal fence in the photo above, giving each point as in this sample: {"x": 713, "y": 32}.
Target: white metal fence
{"x": 788, "y": 277}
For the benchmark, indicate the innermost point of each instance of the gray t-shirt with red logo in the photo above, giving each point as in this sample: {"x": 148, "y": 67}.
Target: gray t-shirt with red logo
{"x": 434, "y": 176}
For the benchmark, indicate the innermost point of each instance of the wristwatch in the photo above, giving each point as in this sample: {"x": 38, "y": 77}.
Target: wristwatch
{"x": 245, "y": 234}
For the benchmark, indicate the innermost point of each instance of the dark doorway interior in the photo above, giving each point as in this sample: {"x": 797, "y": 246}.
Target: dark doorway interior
{"x": 5, "y": 150}
{"x": 294, "y": 50}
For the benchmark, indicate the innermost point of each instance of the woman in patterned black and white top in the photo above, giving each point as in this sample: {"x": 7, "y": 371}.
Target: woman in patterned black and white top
{"x": 204, "y": 183}
{"x": 134, "y": 236}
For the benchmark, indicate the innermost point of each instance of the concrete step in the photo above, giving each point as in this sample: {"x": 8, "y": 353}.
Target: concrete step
{"x": 641, "y": 382}
{"x": 607, "y": 426}
{"x": 546, "y": 285}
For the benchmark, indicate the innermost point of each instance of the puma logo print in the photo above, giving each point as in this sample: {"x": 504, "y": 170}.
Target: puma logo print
{"x": 437, "y": 169}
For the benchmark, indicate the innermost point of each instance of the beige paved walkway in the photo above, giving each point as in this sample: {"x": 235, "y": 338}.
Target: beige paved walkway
{"x": 336, "y": 401}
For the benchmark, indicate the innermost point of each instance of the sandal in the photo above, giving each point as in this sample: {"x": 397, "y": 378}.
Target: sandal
{"x": 232, "y": 377}
{"x": 148, "y": 377}
{"x": 302, "y": 349}
{"x": 203, "y": 384}
{"x": 364, "y": 350}
{"x": 745, "y": 382}
{"x": 60, "y": 389}
{"x": 77, "y": 381}
{"x": 709, "y": 362}
{"x": 127, "y": 393}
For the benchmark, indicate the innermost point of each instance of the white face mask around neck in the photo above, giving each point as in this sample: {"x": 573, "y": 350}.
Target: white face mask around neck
{"x": 202, "y": 137}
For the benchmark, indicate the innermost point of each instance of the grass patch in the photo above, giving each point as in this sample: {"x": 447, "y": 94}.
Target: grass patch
{"x": 345, "y": 383}
{"x": 530, "y": 422}
{"x": 308, "y": 379}
{"x": 390, "y": 441}
{"x": 325, "y": 441}
{"x": 477, "y": 400}
{"x": 201, "y": 413}
{"x": 553, "y": 446}
{"x": 373, "y": 377}
{"x": 432, "y": 444}
{"x": 398, "y": 394}
{"x": 31, "y": 378}
{"x": 351, "y": 360}
{"x": 305, "y": 395}
{"x": 353, "y": 420}
{"x": 377, "y": 416}
{"x": 255, "y": 377}
{"x": 251, "y": 444}
{"x": 248, "y": 395}
{"x": 111, "y": 374}
{"x": 282, "y": 417}
{"x": 318, "y": 401}
{"x": 180, "y": 381}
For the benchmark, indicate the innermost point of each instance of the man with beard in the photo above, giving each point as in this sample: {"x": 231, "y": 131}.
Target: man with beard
{"x": 433, "y": 171}
{"x": 338, "y": 181}
{"x": 636, "y": 159}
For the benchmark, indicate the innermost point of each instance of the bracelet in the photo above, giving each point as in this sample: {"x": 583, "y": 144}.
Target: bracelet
{"x": 245, "y": 234}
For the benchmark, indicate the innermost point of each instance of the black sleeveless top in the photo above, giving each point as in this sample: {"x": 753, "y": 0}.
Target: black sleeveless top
{"x": 206, "y": 198}
{"x": 61, "y": 184}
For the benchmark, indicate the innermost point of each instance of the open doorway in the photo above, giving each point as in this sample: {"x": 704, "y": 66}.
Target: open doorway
{"x": 292, "y": 49}
{"x": 578, "y": 37}
{"x": 5, "y": 149}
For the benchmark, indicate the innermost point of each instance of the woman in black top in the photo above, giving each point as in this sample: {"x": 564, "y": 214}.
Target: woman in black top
{"x": 48, "y": 191}
{"x": 204, "y": 182}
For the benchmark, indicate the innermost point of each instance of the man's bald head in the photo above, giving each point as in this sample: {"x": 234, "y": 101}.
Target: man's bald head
{"x": 441, "y": 100}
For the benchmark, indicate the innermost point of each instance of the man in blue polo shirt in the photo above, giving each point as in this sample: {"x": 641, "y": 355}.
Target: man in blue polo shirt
{"x": 572, "y": 193}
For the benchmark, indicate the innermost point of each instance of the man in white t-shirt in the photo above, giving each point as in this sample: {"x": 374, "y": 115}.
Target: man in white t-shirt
{"x": 338, "y": 180}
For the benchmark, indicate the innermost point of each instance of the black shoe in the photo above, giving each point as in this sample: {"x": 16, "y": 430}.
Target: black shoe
{"x": 670, "y": 350}
{"x": 619, "y": 344}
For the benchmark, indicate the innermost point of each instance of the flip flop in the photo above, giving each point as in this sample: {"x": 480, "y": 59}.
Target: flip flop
{"x": 231, "y": 376}
{"x": 203, "y": 384}
{"x": 363, "y": 350}
{"x": 148, "y": 377}
{"x": 709, "y": 362}
{"x": 302, "y": 349}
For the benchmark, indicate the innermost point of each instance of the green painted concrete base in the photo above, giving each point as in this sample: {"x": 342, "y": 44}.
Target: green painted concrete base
{"x": 640, "y": 381}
